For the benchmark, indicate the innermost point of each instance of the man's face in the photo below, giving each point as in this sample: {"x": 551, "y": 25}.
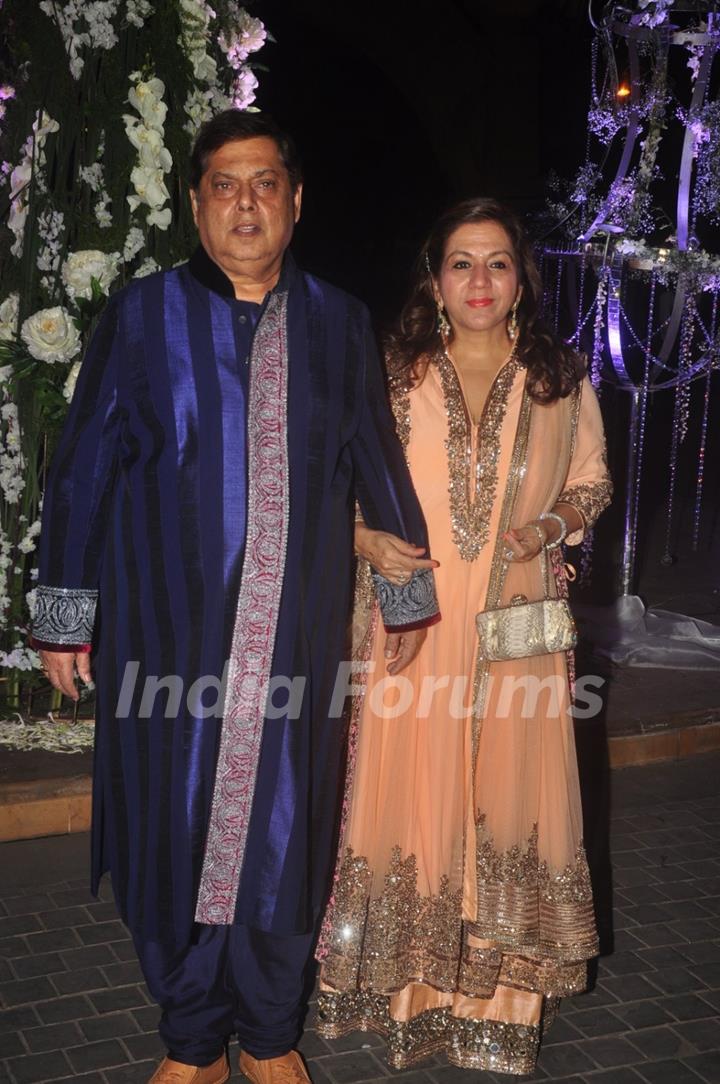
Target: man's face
{"x": 245, "y": 209}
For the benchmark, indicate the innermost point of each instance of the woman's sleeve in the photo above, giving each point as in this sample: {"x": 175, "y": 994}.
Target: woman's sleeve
{"x": 77, "y": 499}
{"x": 588, "y": 487}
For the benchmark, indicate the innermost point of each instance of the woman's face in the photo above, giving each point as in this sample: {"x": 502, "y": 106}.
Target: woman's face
{"x": 478, "y": 282}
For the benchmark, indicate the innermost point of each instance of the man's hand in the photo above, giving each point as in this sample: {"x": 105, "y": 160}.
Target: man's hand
{"x": 402, "y": 647}
{"x": 60, "y": 667}
{"x": 392, "y": 557}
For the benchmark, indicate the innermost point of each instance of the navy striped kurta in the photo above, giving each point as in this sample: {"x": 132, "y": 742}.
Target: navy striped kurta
{"x": 146, "y": 503}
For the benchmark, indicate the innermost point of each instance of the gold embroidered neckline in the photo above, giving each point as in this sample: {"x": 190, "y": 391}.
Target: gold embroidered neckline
{"x": 472, "y": 498}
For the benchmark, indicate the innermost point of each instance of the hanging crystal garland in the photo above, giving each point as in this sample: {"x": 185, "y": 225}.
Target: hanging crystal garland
{"x": 642, "y": 405}
{"x": 680, "y": 415}
{"x": 559, "y": 264}
{"x": 598, "y": 328}
{"x": 711, "y": 357}
{"x": 581, "y": 301}
{"x": 586, "y": 553}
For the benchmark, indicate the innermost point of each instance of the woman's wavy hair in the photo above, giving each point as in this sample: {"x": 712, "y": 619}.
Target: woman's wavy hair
{"x": 554, "y": 369}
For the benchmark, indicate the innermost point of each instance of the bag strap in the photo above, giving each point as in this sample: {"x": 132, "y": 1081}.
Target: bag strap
{"x": 498, "y": 567}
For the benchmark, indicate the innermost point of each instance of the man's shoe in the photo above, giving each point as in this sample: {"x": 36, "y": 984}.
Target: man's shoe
{"x": 289, "y": 1069}
{"x": 175, "y": 1072}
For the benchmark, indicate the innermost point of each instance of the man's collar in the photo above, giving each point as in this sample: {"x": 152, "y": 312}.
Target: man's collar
{"x": 212, "y": 276}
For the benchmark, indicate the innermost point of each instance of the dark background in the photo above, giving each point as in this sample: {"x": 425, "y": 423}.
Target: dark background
{"x": 402, "y": 106}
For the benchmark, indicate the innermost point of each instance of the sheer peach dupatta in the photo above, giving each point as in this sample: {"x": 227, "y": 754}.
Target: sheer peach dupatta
{"x": 462, "y": 906}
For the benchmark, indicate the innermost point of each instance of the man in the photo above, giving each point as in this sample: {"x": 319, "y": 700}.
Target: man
{"x": 228, "y": 414}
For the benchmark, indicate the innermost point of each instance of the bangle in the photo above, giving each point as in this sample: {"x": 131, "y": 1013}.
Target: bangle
{"x": 541, "y": 536}
{"x": 561, "y": 522}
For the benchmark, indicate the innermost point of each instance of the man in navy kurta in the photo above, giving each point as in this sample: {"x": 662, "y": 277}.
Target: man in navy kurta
{"x": 198, "y": 534}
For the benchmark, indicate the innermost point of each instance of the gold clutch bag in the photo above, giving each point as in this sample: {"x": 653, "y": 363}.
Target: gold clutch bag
{"x": 526, "y": 628}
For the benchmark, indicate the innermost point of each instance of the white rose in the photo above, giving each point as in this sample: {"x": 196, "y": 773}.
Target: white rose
{"x": 9, "y": 317}
{"x": 69, "y": 386}
{"x": 50, "y": 335}
{"x": 80, "y": 268}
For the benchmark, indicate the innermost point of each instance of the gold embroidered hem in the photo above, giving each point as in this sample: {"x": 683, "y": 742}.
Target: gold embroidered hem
{"x": 381, "y": 943}
{"x": 491, "y": 1045}
{"x": 527, "y": 907}
{"x": 540, "y": 926}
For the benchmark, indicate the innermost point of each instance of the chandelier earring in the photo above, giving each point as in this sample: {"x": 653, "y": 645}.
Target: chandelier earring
{"x": 443, "y": 324}
{"x": 512, "y": 329}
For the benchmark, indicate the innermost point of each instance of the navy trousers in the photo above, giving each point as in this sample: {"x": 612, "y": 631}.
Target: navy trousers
{"x": 230, "y": 980}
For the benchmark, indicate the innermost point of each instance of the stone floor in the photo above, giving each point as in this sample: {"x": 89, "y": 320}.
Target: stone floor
{"x": 74, "y": 1005}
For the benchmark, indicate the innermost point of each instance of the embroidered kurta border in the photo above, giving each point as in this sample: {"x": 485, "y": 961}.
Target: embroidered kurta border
{"x": 64, "y": 615}
{"x": 256, "y": 620}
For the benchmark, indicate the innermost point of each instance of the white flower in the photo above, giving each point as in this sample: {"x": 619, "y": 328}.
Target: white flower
{"x": 197, "y": 109}
{"x": 146, "y": 97}
{"x": 9, "y": 317}
{"x": 44, "y": 126}
{"x": 20, "y": 178}
{"x": 134, "y": 241}
{"x": 161, "y": 219}
{"x": 51, "y": 225}
{"x": 204, "y": 67}
{"x": 149, "y": 186}
{"x": 80, "y": 268}
{"x": 147, "y": 267}
{"x": 69, "y": 385}
{"x": 12, "y": 470}
{"x": 138, "y": 11}
{"x": 102, "y": 215}
{"x": 6, "y": 372}
{"x": 92, "y": 176}
{"x": 27, "y": 542}
{"x": 50, "y": 335}
{"x": 149, "y": 144}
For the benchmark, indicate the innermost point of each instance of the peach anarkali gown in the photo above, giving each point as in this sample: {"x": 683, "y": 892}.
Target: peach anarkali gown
{"x": 462, "y": 906}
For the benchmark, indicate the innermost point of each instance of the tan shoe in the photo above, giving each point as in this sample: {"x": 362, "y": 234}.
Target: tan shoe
{"x": 289, "y": 1069}
{"x": 176, "y": 1072}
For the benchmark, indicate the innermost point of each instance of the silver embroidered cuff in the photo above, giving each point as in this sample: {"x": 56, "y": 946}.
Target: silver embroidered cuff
{"x": 64, "y": 615}
{"x": 412, "y": 603}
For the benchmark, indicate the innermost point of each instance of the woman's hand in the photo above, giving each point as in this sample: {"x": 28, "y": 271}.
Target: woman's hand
{"x": 392, "y": 557}
{"x": 524, "y": 543}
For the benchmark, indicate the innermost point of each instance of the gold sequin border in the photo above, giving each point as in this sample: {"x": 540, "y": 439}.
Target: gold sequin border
{"x": 490, "y": 1045}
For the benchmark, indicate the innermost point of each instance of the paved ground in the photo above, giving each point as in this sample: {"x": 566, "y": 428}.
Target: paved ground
{"x": 74, "y": 1005}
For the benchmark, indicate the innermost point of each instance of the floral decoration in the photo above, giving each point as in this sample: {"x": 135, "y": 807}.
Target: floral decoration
{"x": 99, "y": 100}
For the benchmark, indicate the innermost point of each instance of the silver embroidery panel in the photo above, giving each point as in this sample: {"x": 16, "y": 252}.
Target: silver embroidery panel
{"x": 255, "y": 623}
{"x": 410, "y": 602}
{"x": 64, "y": 615}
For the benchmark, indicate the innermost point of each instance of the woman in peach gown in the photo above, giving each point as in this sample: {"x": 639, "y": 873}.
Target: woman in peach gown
{"x": 462, "y": 907}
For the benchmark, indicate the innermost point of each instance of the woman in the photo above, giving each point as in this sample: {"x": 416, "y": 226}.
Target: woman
{"x": 462, "y": 907}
